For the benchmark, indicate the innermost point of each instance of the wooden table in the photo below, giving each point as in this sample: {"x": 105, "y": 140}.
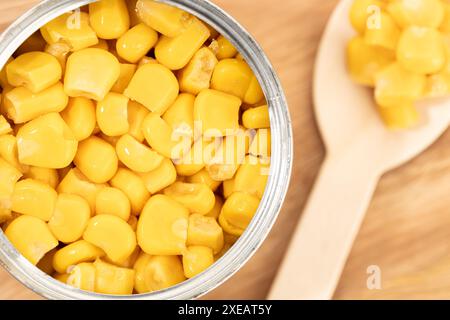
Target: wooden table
{"x": 407, "y": 229}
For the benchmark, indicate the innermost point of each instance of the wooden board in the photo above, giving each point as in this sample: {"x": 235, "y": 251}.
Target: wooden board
{"x": 407, "y": 229}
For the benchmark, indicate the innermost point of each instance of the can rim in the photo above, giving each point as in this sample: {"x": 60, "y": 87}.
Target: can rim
{"x": 276, "y": 189}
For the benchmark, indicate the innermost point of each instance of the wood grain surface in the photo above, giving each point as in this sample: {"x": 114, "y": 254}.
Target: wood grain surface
{"x": 407, "y": 229}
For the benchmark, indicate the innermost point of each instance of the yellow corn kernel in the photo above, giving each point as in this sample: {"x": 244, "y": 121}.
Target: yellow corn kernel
{"x": 237, "y": 212}
{"x": 72, "y": 29}
{"x": 112, "y": 114}
{"x": 75, "y": 253}
{"x": 198, "y": 156}
{"x": 5, "y": 127}
{"x": 45, "y": 175}
{"x": 160, "y": 136}
{"x": 365, "y": 61}
{"x": 147, "y": 60}
{"x": 229, "y": 156}
{"x": 80, "y": 117}
{"x": 252, "y": 176}
{"x": 215, "y": 212}
{"x": 203, "y": 177}
{"x": 136, "y": 43}
{"x": 181, "y": 114}
{"x": 8, "y": 151}
{"x": 228, "y": 188}
{"x": 70, "y": 218}
{"x": 22, "y": 105}
{"x": 232, "y": 76}
{"x": 109, "y": 18}
{"x": 225, "y": 49}
{"x": 34, "y": 43}
{"x": 61, "y": 51}
{"x": 364, "y": 11}
{"x": 31, "y": 237}
{"x": 134, "y": 18}
{"x": 111, "y": 234}
{"x": 175, "y": 53}
{"x": 114, "y": 202}
{"x": 137, "y": 156}
{"x": 36, "y": 71}
{"x": 153, "y": 86}
{"x": 400, "y": 116}
{"x": 110, "y": 279}
{"x": 154, "y": 273}
{"x": 423, "y": 13}
{"x": 61, "y": 277}
{"x": 76, "y": 183}
{"x": 126, "y": 74}
{"x": 445, "y": 25}
{"x": 4, "y": 77}
{"x": 9, "y": 175}
{"x": 205, "y": 231}
{"x": 395, "y": 86}
{"x": 162, "y": 227}
{"x": 91, "y": 73}
{"x": 261, "y": 144}
{"x": 196, "y": 76}
{"x": 230, "y": 240}
{"x": 256, "y": 118}
{"x": 385, "y": 35}
{"x": 129, "y": 262}
{"x": 254, "y": 93}
{"x": 46, "y": 263}
{"x": 34, "y": 198}
{"x": 96, "y": 159}
{"x": 82, "y": 276}
{"x": 167, "y": 20}
{"x": 102, "y": 44}
{"x": 197, "y": 259}
{"x": 133, "y": 221}
{"x": 438, "y": 85}
{"x": 133, "y": 186}
{"x": 224, "y": 120}
{"x": 198, "y": 198}
{"x": 421, "y": 50}
{"x": 136, "y": 115}
{"x": 161, "y": 177}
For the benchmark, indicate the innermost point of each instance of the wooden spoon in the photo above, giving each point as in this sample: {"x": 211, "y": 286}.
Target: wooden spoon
{"x": 360, "y": 149}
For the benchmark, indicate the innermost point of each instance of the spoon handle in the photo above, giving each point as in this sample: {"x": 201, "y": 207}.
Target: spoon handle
{"x": 330, "y": 222}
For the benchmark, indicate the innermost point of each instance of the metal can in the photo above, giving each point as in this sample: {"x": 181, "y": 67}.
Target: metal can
{"x": 280, "y": 171}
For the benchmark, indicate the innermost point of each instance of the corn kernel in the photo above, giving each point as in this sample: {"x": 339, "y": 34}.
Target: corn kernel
{"x": 218, "y": 113}
{"x": 261, "y": 144}
{"x": 82, "y": 276}
{"x": 421, "y": 50}
{"x": 167, "y": 20}
{"x": 61, "y": 51}
{"x": 8, "y": 151}
{"x": 225, "y": 49}
{"x": 445, "y": 25}
{"x": 197, "y": 259}
{"x": 61, "y": 277}
{"x": 198, "y": 198}
{"x": 205, "y": 231}
{"x": 72, "y": 29}
{"x": 237, "y": 212}
{"x": 96, "y": 159}
{"x": 36, "y": 71}
{"x": 4, "y": 77}
{"x": 256, "y": 118}
{"x": 80, "y": 117}
{"x": 162, "y": 227}
{"x": 76, "y": 183}
{"x": 362, "y": 11}
{"x": 35, "y": 42}
{"x": 215, "y": 212}
{"x": 175, "y": 53}
{"x": 47, "y": 176}
{"x": 31, "y": 237}
{"x": 46, "y": 263}
{"x": 203, "y": 177}
{"x": 400, "y": 116}
{"x": 161, "y": 177}
{"x": 70, "y": 218}
{"x": 9, "y": 175}
{"x": 34, "y": 198}
{"x": 102, "y": 44}
{"x": 133, "y": 186}
{"x": 154, "y": 273}
{"x": 232, "y": 76}
{"x": 181, "y": 114}
{"x": 112, "y": 114}
{"x": 386, "y": 35}
{"x": 136, "y": 116}
{"x": 230, "y": 240}
{"x": 109, "y": 18}
{"x": 91, "y": 73}
{"x": 160, "y": 136}
{"x": 196, "y": 76}
{"x": 113, "y": 280}
{"x": 438, "y": 85}
{"x": 423, "y": 13}
{"x": 136, "y": 43}
{"x": 111, "y": 234}
{"x": 126, "y": 74}
{"x": 137, "y": 156}
{"x": 153, "y": 86}
{"x": 198, "y": 156}
{"x": 75, "y": 253}
{"x": 129, "y": 262}
{"x": 5, "y": 127}
{"x": 252, "y": 176}
{"x": 254, "y": 93}
{"x": 228, "y": 188}
{"x": 22, "y": 105}
{"x": 114, "y": 202}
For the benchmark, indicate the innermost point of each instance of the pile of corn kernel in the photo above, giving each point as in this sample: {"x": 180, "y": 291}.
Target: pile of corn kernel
{"x": 94, "y": 188}
{"x": 403, "y": 51}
